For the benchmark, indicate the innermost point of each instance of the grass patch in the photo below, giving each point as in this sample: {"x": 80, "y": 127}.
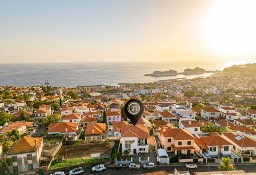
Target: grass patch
{"x": 77, "y": 161}
{"x": 53, "y": 139}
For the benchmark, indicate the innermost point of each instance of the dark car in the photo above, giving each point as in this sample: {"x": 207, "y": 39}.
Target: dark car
{"x": 117, "y": 166}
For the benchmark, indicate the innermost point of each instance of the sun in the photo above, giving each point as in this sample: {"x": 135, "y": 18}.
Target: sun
{"x": 229, "y": 27}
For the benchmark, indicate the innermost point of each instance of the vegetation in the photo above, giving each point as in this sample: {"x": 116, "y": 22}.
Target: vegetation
{"x": 73, "y": 95}
{"x": 4, "y": 166}
{"x": 213, "y": 128}
{"x": 51, "y": 119}
{"x": 76, "y": 161}
{"x": 104, "y": 117}
{"x": 5, "y": 117}
{"x": 23, "y": 117}
{"x": 226, "y": 165}
{"x": 253, "y": 107}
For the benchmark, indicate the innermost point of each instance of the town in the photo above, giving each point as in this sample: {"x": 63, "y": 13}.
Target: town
{"x": 189, "y": 126}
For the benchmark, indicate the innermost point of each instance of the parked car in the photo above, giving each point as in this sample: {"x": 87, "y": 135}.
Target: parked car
{"x": 191, "y": 166}
{"x": 149, "y": 165}
{"x": 75, "y": 171}
{"x": 100, "y": 167}
{"x": 134, "y": 166}
{"x": 58, "y": 173}
{"x": 118, "y": 166}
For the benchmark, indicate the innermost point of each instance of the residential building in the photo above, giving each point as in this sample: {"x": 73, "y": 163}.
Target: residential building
{"x": 113, "y": 115}
{"x": 73, "y": 118}
{"x": 25, "y": 155}
{"x": 96, "y": 131}
{"x": 135, "y": 139}
{"x": 210, "y": 112}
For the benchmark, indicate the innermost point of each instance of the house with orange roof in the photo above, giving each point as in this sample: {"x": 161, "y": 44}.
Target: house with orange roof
{"x": 213, "y": 145}
{"x": 25, "y": 155}
{"x": 168, "y": 116}
{"x": 64, "y": 128}
{"x": 73, "y": 118}
{"x": 87, "y": 120}
{"x": 242, "y": 144}
{"x": 176, "y": 140}
{"x": 134, "y": 139}
{"x": 21, "y": 127}
{"x": 210, "y": 112}
{"x": 115, "y": 128}
{"x": 192, "y": 126}
{"x": 251, "y": 113}
{"x": 113, "y": 115}
{"x": 43, "y": 111}
{"x": 96, "y": 131}
{"x": 66, "y": 110}
{"x": 96, "y": 114}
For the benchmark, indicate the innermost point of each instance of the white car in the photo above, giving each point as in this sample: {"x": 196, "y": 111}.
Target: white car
{"x": 59, "y": 173}
{"x": 191, "y": 166}
{"x": 100, "y": 167}
{"x": 149, "y": 165}
{"x": 75, "y": 171}
{"x": 134, "y": 166}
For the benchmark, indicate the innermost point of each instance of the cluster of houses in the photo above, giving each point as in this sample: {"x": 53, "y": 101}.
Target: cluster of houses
{"x": 173, "y": 128}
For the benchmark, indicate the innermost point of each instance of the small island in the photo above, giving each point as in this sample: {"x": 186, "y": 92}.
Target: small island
{"x": 188, "y": 71}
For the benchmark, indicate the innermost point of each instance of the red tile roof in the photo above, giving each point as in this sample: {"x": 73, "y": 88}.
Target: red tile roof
{"x": 63, "y": 127}
{"x": 95, "y": 128}
{"x": 135, "y": 131}
{"x": 166, "y": 114}
{"x": 251, "y": 111}
{"x": 210, "y": 109}
{"x": 194, "y": 123}
{"x": 176, "y": 133}
{"x": 118, "y": 125}
{"x": 182, "y": 148}
{"x": 71, "y": 116}
{"x": 112, "y": 112}
{"x": 243, "y": 142}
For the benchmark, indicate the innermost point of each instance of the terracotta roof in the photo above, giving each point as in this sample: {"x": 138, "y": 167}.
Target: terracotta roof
{"x": 91, "y": 113}
{"x": 139, "y": 131}
{"x": 196, "y": 109}
{"x": 243, "y": 141}
{"x": 112, "y": 112}
{"x": 118, "y": 125}
{"x": 26, "y": 144}
{"x": 194, "y": 123}
{"x": 95, "y": 128}
{"x": 224, "y": 123}
{"x": 176, "y": 133}
{"x": 243, "y": 129}
{"x": 182, "y": 148}
{"x": 210, "y": 109}
{"x": 71, "y": 116}
{"x": 159, "y": 123}
{"x": 251, "y": 111}
{"x": 212, "y": 140}
{"x": 166, "y": 114}
{"x": 62, "y": 126}
{"x": 89, "y": 119}
{"x": 41, "y": 111}
{"x": 228, "y": 108}
{"x": 13, "y": 126}
{"x": 146, "y": 113}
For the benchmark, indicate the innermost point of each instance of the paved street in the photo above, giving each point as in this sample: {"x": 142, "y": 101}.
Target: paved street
{"x": 248, "y": 168}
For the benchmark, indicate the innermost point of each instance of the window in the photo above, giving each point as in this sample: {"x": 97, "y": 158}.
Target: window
{"x": 226, "y": 148}
{"x": 179, "y": 143}
{"x": 189, "y": 143}
{"x": 169, "y": 148}
{"x": 15, "y": 169}
{"x": 196, "y": 129}
{"x": 169, "y": 140}
{"x": 29, "y": 156}
{"x": 212, "y": 148}
{"x": 14, "y": 158}
{"x": 30, "y": 166}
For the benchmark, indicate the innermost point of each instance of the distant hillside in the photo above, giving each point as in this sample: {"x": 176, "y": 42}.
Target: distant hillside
{"x": 247, "y": 69}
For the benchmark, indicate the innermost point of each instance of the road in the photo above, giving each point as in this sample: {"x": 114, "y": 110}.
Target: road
{"x": 249, "y": 168}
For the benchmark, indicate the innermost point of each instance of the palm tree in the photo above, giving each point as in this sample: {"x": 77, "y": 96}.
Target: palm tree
{"x": 226, "y": 165}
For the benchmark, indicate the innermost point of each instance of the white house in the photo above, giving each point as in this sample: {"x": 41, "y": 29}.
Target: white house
{"x": 214, "y": 145}
{"x": 25, "y": 155}
{"x": 135, "y": 139}
{"x": 74, "y": 118}
{"x": 192, "y": 126}
{"x": 113, "y": 115}
{"x": 251, "y": 113}
{"x": 242, "y": 144}
{"x": 115, "y": 128}
{"x": 63, "y": 128}
{"x": 210, "y": 112}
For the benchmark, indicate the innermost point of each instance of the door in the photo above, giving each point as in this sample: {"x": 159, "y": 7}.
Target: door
{"x": 188, "y": 152}
{"x": 134, "y": 151}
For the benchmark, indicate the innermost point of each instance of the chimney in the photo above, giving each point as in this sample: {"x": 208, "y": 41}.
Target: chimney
{"x": 189, "y": 122}
{"x": 202, "y": 123}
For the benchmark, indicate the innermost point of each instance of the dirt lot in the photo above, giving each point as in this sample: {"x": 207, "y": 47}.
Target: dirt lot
{"x": 84, "y": 150}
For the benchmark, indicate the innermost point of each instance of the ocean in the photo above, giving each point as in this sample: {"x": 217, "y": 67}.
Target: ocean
{"x": 84, "y": 74}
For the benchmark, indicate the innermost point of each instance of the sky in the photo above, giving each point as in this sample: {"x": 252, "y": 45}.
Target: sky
{"x": 127, "y": 31}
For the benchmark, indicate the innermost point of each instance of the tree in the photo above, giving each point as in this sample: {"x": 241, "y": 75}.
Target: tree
{"x": 104, "y": 117}
{"x": 4, "y": 165}
{"x": 200, "y": 105}
{"x": 213, "y": 128}
{"x": 72, "y": 94}
{"x": 253, "y": 107}
{"x": 55, "y": 106}
{"x": 51, "y": 119}
{"x": 5, "y": 117}
{"x": 226, "y": 165}
{"x": 13, "y": 135}
{"x": 23, "y": 117}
